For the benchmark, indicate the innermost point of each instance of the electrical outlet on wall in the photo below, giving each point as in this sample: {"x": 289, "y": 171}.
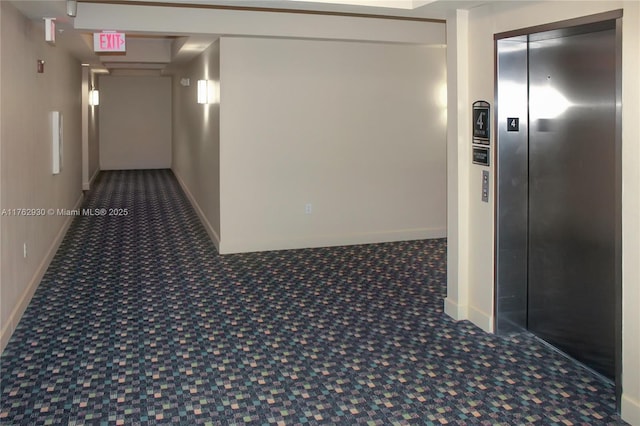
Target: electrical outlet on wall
{"x": 308, "y": 208}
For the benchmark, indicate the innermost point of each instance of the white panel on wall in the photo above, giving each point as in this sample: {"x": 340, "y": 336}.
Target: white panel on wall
{"x": 56, "y": 141}
{"x": 135, "y": 122}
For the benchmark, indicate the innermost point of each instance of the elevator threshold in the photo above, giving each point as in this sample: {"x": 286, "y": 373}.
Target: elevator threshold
{"x": 574, "y": 361}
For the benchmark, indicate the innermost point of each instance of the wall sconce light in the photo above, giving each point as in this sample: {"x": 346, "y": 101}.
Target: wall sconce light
{"x": 94, "y": 97}
{"x": 207, "y": 92}
{"x": 203, "y": 91}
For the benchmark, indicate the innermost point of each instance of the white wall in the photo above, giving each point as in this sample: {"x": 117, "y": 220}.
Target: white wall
{"x": 355, "y": 129}
{"x": 26, "y": 175}
{"x": 470, "y": 290}
{"x": 196, "y": 139}
{"x": 135, "y": 122}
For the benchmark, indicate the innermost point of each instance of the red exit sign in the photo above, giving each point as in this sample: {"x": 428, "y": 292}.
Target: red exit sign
{"x": 109, "y": 41}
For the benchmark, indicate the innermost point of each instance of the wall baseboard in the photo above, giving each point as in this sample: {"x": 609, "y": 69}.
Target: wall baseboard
{"x": 18, "y": 310}
{"x": 203, "y": 219}
{"x": 314, "y": 241}
{"x": 476, "y": 316}
{"x": 481, "y": 319}
{"x": 454, "y": 310}
{"x": 87, "y": 185}
{"x": 630, "y": 410}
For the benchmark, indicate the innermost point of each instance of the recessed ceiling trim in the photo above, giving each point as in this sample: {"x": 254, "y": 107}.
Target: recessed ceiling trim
{"x": 391, "y": 4}
{"x": 135, "y": 65}
{"x": 262, "y": 9}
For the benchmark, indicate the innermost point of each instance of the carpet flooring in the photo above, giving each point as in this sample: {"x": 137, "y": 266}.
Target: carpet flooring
{"x": 139, "y": 321}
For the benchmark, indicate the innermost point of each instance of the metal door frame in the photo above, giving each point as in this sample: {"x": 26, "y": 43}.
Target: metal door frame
{"x": 561, "y": 27}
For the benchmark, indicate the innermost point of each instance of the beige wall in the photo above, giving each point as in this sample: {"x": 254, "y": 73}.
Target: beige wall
{"x": 135, "y": 122}
{"x": 196, "y": 139}
{"x": 470, "y": 289}
{"x": 458, "y": 159}
{"x": 93, "y": 136}
{"x": 90, "y": 148}
{"x": 26, "y": 178}
{"x": 355, "y": 129}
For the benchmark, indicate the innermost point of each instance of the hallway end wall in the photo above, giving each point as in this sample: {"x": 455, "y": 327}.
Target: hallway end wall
{"x": 135, "y": 122}
{"x": 26, "y": 179}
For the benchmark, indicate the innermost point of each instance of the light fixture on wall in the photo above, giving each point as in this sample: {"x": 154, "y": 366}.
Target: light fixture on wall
{"x": 203, "y": 91}
{"x": 94, "y": 97}
{"x": 207, "y": 92}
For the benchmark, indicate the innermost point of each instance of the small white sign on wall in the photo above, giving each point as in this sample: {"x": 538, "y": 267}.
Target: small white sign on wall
{"x": 50, "y": 30}
{"x": 56, "y": 141}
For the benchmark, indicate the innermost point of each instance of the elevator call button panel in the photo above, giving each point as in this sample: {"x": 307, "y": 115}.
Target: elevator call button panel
{"x": 485, "y": 186}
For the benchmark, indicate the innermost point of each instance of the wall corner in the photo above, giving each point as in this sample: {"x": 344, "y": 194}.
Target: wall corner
{"x": 457, "y": 165}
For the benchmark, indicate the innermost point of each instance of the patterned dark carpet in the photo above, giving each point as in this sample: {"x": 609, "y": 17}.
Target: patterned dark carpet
{"x": 139, "y": 321}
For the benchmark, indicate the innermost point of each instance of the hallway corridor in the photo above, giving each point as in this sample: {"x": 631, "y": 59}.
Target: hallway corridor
{"x": 139, "y": 321}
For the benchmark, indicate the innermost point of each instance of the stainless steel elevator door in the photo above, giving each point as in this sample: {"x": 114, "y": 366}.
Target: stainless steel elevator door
{"x": 572, "y": 158}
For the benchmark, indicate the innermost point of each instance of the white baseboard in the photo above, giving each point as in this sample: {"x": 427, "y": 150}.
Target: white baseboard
{"x": 203, "y": 219}
{"x": 630, "y": 410}
{"x": 14, "y": 318}
{"x": 87, "y": 185}
{"x": 481, "y": 319}
{"x": 473, "y": 314}
{"x": 454, "y": 310}
{"x": 312, "y": 241}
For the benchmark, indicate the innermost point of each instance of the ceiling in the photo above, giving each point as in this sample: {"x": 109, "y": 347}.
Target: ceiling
{"x": 157, "y": 53}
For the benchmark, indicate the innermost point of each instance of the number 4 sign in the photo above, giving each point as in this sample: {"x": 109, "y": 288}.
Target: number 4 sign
{"x": 481, "y": 120}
